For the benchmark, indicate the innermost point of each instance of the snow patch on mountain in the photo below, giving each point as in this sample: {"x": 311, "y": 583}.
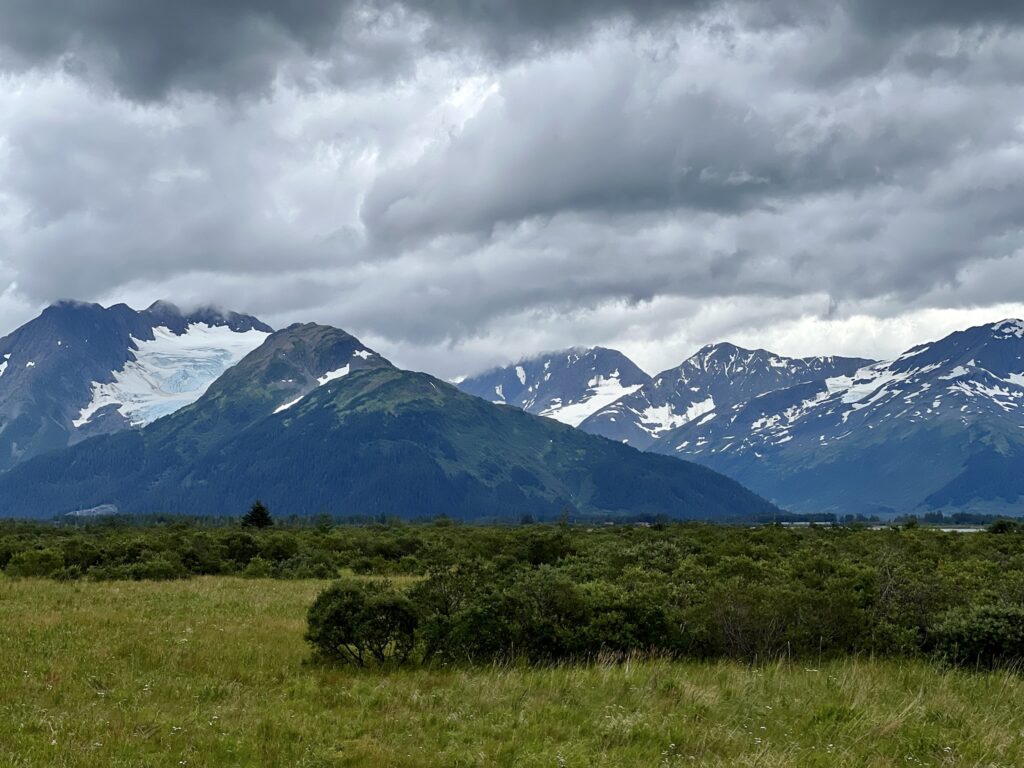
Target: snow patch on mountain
{"x": 328, "y": 377}
{"x": 289, "y": 404}
{"x": 1010, "y": 329}
{"x": 568, "y": 386}
{"x": 658, "y": 420}
{"x": 332, "y": 375}
{"x": 170, "y": 371}
{"x": 601, "y": 391}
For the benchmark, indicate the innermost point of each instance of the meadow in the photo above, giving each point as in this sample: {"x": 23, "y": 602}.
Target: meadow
{"x": 213, "y": 671}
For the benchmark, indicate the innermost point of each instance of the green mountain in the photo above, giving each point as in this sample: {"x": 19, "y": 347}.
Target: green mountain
{"x": 312, "y": 421}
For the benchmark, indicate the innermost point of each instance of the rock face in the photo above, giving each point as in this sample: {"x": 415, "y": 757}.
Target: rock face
{"x": 81, "y": 369}
{"x": 939, "y": 427}
{"x": 567, "y": 386}
{"x": 313, "y": 421}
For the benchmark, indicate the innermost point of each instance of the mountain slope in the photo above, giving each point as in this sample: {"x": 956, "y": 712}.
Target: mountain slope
{"x": 719, "y": 374}
{"x": 373, "y": 441}
{"x": 82, "y": 369}
{"x": 941, "y": 426}
{"x": 566, "y": 386}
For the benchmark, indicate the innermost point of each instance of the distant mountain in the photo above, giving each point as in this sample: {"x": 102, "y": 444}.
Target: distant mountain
{"x": 718, "y": 375}
{"x": 81, "y": 369}
{"x": 567, "y": 386}
{"x": 940, "y": 427}
{"x": 313, "y": 421}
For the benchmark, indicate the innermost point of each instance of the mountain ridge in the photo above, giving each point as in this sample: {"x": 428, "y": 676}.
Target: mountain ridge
{"x": 914, "y": 433}
{"x": 374, "y": 440}
{"x": 715, "y": 374}
{"x": 566, "y": 385}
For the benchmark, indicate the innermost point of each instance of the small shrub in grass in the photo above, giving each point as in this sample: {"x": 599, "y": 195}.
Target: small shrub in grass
{"x": 258, "y": 568}
{"x": 361, "y": 623}
{"x": 164, "y": 567}
{"x": 985, "y": 635}
{"x": 316, "y": 564}
{"x": 36, "y": 562}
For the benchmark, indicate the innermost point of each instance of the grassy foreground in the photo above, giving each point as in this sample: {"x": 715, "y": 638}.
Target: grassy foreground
{"x": 210, "y": 672}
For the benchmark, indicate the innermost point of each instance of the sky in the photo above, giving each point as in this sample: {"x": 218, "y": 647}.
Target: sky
{"x": 464, "y": 182}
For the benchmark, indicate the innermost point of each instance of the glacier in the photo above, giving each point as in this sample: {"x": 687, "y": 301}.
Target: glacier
{"x": 169, "y": 372}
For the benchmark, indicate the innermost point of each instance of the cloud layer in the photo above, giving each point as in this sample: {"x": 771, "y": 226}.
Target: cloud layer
{"x": 461, "y": 182}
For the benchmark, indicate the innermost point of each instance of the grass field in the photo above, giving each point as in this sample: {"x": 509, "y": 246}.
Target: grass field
{"x": 212, "y": 672}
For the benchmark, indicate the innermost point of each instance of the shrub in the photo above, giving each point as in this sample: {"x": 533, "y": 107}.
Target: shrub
{"x": 36, "y": 562}
{"x": 315, "y": 564}
{"x": 258, "y": 568}
{"x": 1002, "y": 525}
{"x": 986, "y": 635}
{"x": 356, "y": 623}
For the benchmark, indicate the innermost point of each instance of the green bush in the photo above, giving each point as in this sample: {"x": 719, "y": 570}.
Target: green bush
{"x": 359, "y": 623}
{"x": 36, "y": 562}
{"x": 258, "y": 568}
{"x": 983, "y": 635}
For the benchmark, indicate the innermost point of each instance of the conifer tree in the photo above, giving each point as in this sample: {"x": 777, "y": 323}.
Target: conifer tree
{"x": 258, "y": 516}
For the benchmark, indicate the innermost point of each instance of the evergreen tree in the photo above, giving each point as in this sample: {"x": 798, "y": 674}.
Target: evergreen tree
{"x": 258, "y": 516}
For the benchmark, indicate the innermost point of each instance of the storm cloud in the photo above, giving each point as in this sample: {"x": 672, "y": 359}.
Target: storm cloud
{"x": 465, "y": 181}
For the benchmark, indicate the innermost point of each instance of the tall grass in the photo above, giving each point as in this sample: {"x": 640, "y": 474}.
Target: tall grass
{"x": 213, "y": 672}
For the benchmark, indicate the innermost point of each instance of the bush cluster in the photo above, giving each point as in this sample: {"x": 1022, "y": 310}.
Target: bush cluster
{"x": 546, "y": 593}
{"x": 704, "y": 592}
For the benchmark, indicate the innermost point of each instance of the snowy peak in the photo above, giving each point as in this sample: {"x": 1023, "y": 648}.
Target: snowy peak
{"x": 567, "y": 386}
{"x": 928, "y": 411}
{"x": 979, "y": 369}
{"x": 1009, "y": 329}
{"x": 716, "y": 375}
{"x": 171, "y": 358}
{"x": 728, "y": 362}
{"x": 167, "y": 315}
{"x": 82, "y": 369}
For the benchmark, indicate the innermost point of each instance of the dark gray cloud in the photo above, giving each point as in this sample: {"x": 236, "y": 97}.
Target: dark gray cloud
{"x": 883, "y": 15}
{"x": 469, "y": 180}
{"x": 148, "y": 48}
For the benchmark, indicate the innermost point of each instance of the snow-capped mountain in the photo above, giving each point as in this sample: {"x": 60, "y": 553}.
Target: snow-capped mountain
{"x": 82, "y": 369}
{"x": 717, "y": 375}
{"x": 364, "y": 438}
{"x": 567, "y": 386}
{"x": 940, "y": 426}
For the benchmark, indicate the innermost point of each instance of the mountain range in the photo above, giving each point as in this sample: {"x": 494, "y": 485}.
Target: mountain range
{"x": 201, "y": 411}
{"x": 941, "y": 427}
{"x": 313, "y": 421}
{"x": 718, "y": 375}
